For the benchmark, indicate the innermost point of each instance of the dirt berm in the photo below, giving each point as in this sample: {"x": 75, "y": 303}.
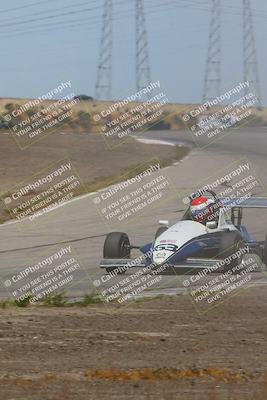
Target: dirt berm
{"x": 157, "y": 349}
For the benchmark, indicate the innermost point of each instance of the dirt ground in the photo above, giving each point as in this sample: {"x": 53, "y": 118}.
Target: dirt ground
{"x": 84, "y": 152}
{"x": 157, "y": 349}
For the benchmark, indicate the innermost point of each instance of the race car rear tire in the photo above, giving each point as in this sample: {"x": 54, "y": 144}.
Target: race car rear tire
{"x": 160, "y": 230}
{"x": 117, "y": 245}
{"x": 231, "y": 242}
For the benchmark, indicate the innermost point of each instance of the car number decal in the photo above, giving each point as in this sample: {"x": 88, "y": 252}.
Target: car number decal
{"x": 168, "y": 247}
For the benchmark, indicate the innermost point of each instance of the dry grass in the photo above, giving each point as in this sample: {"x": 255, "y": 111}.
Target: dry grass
{"x": 171, "y": 112}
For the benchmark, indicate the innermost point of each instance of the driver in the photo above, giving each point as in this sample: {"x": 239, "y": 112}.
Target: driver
{"x": 202, "y": 210}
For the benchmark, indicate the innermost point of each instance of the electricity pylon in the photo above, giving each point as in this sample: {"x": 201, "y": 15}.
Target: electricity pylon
{"x": 103, "y": 89}
{"x": 212, "y": 82}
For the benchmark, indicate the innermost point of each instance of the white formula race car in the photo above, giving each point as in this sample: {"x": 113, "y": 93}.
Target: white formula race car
{"x": 189, "y": 244}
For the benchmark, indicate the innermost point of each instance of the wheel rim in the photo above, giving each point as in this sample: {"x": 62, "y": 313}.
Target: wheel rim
{"x": 124, "y": 249}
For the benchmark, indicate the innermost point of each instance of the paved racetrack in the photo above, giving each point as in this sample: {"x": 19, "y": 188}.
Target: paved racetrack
{"x": 80, "y": 225}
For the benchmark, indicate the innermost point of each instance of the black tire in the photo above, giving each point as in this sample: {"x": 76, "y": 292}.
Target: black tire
{"x": 264, "y": 253}
{"x": 231, "y": 242}
{"x": 160, "y": 230}
{"x": 117, "y": 245}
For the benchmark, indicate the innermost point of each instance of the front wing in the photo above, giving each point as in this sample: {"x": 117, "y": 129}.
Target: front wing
{"x": 191, "y": 264}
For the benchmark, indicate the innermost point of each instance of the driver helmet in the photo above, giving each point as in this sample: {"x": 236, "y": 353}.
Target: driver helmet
{"x": 202, "y": 209}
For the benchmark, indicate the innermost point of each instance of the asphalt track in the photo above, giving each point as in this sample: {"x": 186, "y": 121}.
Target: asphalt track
{"x": 80, "y": 225}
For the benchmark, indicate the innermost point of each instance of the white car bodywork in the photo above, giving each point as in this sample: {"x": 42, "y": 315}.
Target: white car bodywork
{"x": 189, "y": 244}
{"x": 183, "y": 231}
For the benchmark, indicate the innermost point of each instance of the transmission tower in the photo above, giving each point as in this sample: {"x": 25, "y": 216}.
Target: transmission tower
{"x": 103, "y": 89}
{"x": 212, "y": 82}
{"x": 143, "y": 77}
{"x": 249, "y": 52}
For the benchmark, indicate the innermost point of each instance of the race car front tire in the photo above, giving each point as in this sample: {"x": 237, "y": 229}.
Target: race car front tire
{"x": 117, "y": 245}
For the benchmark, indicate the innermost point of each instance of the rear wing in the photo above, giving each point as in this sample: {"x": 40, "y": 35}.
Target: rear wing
{"x": 236, "y": 205}
{"x": 251, "y": 202}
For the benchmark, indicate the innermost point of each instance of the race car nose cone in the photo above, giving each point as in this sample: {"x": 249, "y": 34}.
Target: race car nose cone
{"x": 160, "y": 256}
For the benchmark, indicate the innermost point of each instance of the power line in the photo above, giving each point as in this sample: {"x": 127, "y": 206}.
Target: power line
{"x": 57, "y": 23}
{"x": 94, "y": 19}
{"x": 227, "y": 9}
{"x": 26, "y": 6}
{"x": 51, "y": 244}
{"x": 96, "y": 22}
{"x": 53, "y": 16}
{"x": 193, "y": 4}
{"x": 50, "y": 10}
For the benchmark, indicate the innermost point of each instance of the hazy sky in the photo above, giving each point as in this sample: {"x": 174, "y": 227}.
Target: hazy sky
{"x": 39, "y": 48}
